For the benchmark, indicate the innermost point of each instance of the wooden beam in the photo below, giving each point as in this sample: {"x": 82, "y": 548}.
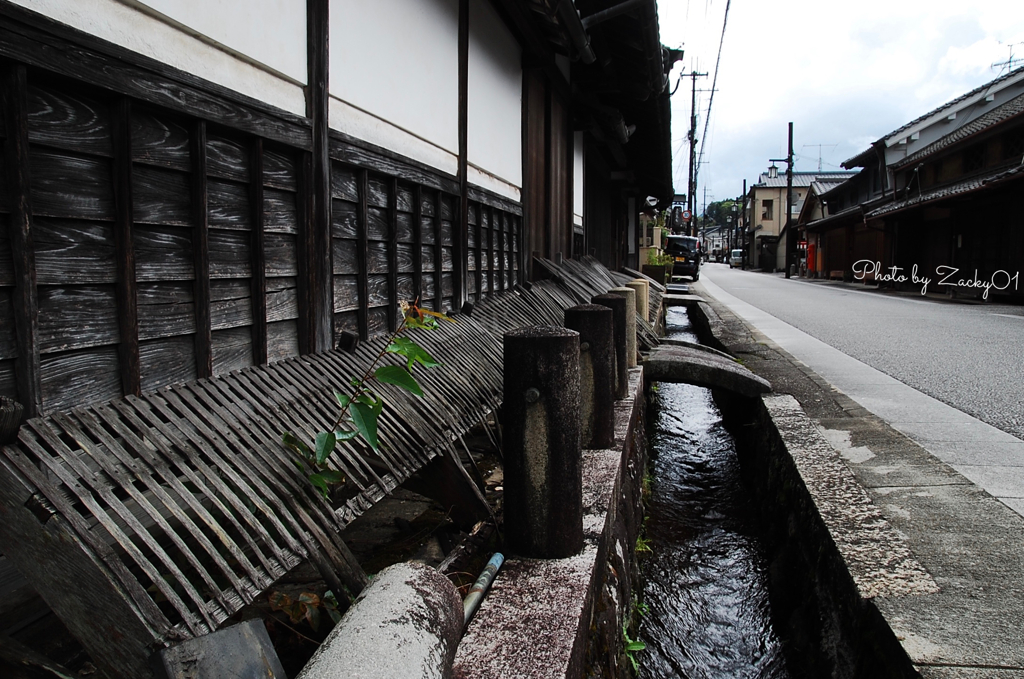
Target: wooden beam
{"x": 460, "y": 251}
{"x": 35, "y": 40}
{"x": 362, "y": 256}
{"x": 26, "y": 307}
{"x": 201, "y": 252}
{"x": 536, "y": 50}
{"x": 258, "y": 255}
{"x": 127, "y": 288}
{"x": 317, "y": 108}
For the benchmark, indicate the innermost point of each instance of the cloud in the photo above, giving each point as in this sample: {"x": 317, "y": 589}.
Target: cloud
{"x": 844, "y": 74}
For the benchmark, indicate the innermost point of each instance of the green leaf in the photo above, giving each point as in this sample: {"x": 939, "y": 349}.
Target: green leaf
{"x": 345, "y": 434}
{"x": 635, "y": 646}
{"x": 293, "y": 442}
{"x": 321, "y": 484}
{"x": 365, "y": 419}
{"x": 398, "y": 376}
{"x": 298, "y": 463}
{"x": 343, "y": 399}
{"x": 335, "y": 615}
{"x": 413, "y": 353}
{"x": 324, "y": 446}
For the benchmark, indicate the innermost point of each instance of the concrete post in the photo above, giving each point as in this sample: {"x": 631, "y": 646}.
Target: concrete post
{"x": 597, "y": 373}
{"x": 543, "y": 466}
{"x": 630, "y": 296}
{"x": 406, "y": 624}
{"x": 618, "y": 306}
{"x": 643, "y": 297}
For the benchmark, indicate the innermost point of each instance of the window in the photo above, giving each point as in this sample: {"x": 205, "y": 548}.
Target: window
{"x": 1013, "y": 145}
{"x": 974, "y": 158}
{"x": 767, "y": 209}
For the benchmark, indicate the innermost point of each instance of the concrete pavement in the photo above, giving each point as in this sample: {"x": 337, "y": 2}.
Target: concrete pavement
{"x": 988, "y": 457}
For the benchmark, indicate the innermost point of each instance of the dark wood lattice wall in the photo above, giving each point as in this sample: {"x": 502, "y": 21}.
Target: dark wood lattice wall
{"x": 167, "y": 247}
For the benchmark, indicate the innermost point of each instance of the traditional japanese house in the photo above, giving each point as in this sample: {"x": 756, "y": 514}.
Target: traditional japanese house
{"x": 190, "y": 190}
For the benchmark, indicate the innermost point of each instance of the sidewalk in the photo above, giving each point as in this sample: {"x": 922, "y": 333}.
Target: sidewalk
{"x": 960, "y": 519}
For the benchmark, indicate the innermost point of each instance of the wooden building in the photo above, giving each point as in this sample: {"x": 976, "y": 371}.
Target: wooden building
{"x": 188, "y": 188}
{"x": 940, "y": 193}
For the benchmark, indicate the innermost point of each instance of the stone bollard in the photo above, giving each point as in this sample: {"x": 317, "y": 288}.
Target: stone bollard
{"x": 630, "y": 296}
{"x": 543, "y": 464}
{"x": 597, "y": 373}
{"x": 643, "y": 296}
{"x": 406, "y": 624}
{"x": 617, "y": 304}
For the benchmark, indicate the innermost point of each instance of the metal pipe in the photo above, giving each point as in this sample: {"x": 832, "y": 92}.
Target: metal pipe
{"x": 571, "y": 18}
{"x": 480, "y": 587}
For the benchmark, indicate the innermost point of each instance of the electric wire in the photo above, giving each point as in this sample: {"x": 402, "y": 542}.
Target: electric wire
{"x": 714, "y": 86}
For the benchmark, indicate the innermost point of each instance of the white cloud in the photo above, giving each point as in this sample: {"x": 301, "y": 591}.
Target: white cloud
{"x": 844, "y": 73}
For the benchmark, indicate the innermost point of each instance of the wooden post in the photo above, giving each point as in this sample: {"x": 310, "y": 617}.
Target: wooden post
{"x": 597, "y": 373}
{"x": 393, "y": 255}
{"x": 201, "y": 253}
{"x": 543, "y": 465}
{"x": 321, "y": 272}
{"x": 417, "y": 235}
{"x": 26, "y": 307}
{"x": 259, "y": 271}
{"x": 617, "y": 304}
{"x": 127, "y": 292}
{"x": 362, "y": 255}
{"x": 460, "y": 251}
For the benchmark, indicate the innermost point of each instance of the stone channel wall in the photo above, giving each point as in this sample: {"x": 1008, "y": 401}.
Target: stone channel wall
{"x": 825, "y": 539}
{"x": 555, "y": 618}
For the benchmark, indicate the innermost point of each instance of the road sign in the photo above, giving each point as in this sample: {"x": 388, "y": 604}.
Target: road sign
{"x": 686, "y": 215}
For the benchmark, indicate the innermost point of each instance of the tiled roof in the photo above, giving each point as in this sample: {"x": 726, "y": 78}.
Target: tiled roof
{"x": 802, "y": 179}
{"x": 1012, "y": 108}
{"x": 957, "y": 189}
{"x": 952, "y": 102}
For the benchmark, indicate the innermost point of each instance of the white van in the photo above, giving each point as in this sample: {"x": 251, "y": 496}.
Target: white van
{"x": 736, "y": 258}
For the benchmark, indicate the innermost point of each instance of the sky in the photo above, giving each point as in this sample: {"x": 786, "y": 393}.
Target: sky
{"x": 845, "y": 73}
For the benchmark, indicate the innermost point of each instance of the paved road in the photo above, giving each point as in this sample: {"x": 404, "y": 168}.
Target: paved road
{"x": 968, "y": 356}
{"x": 891, "y": 353}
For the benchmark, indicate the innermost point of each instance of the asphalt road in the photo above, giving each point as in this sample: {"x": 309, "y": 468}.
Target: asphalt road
{"x": 967, "y": 355}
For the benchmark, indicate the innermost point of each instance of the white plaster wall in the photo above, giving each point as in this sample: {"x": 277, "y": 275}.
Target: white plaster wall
{"x": 271, "y": 32}
{"x": 144, "y": 30}
{"x": 577, "y": 178}
{"x": 395, "y": 73}
{"x": 495, "y": 97}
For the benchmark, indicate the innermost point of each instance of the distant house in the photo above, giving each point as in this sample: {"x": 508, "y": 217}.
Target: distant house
{"x": 941, "y": 193}
{"x": 765, "y": 213}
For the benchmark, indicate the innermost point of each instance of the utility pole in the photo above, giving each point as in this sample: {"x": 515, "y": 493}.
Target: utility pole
{"x": 790, "y": 238}
{"x": 691, "y": 186}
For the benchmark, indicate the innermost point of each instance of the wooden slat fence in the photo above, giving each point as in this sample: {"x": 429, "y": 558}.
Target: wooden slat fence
{"x": 181, "y": 506}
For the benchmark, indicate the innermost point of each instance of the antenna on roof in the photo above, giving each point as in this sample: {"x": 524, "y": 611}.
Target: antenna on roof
{"x": 1009, "y": 63}
{"x": 831, "y": 146}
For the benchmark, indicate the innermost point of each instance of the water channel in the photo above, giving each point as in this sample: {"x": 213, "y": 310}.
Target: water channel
{"x": 705, "y": 579}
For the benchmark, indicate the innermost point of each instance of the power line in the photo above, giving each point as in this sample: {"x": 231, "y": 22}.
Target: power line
{"x": 714, "y": 82}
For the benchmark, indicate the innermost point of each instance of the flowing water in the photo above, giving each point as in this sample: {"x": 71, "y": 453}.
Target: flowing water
{"x": 705, "y": 578}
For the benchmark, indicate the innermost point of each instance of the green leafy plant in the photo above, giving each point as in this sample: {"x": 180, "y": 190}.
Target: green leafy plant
{"x": 632, "y": 647}
{"x": 643, "y": 545}
{"x": 360, "y": 408}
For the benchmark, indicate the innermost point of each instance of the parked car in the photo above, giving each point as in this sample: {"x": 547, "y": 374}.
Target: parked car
{"x": 685, "y": 251}
{"x": 736, "y": 258}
